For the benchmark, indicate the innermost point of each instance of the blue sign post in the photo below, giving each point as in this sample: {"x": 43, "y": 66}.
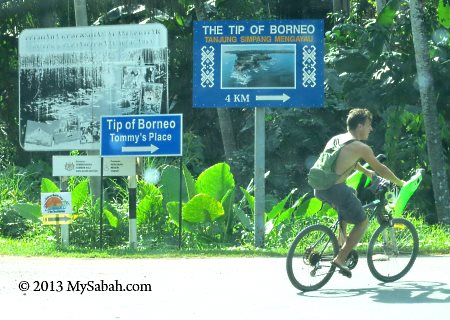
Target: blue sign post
{"x": 274, "y": 63}
{"x": 259, "y": 64}
{"x": 141, "y": 135}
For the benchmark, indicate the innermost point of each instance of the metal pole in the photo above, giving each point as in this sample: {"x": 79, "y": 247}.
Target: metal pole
{"x": 64, "y": 227}
{"x": 180, "y": 218}
{"x": 132, "y": 181}
{"x": 260, "y": 138}
{"x": 80, "y": 12}
{"x": 101, "y": 203}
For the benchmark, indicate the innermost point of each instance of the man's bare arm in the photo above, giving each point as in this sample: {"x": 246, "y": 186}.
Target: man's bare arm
{"x": 366, "y": 171}
{"x": 382, "y": 170}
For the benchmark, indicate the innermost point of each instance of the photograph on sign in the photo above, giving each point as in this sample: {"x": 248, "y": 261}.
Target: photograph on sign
{"x": 69, "y": 77}
{"x": 252, "y": 63}
{"x": 259, "y": 66}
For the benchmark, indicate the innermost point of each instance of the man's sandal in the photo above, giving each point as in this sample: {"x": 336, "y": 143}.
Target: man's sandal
{"x": 342, "y": 269}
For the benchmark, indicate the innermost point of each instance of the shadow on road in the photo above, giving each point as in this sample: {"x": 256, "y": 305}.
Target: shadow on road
{"x": 396, "y": 292}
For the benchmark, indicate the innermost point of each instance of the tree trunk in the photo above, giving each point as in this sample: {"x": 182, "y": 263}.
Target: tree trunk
{"x": 80, "y": 12}
{"x": 341, "y": 5}
{"x": 430, "y": 114}
{"x": 226, "y": 126}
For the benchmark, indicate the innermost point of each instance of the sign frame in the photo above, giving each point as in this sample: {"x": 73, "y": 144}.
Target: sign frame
{"x": 142, "y": 135}
{"x": 69, "y": 77}
{"x": 56, "y": 203}
{"x": 252, "y": 63}
{"x": 90, "y": 166}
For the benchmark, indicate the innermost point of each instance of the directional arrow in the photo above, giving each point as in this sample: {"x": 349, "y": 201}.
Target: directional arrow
{"x": 283, "y": 97}
{"x": 56, "y": 219}
{"x": 150, "y": 148}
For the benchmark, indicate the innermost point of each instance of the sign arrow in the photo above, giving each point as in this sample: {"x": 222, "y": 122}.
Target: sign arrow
{"x": 283, "y": 98}
{"x": 56, "y": 219}
{"x": 150, "y": 148}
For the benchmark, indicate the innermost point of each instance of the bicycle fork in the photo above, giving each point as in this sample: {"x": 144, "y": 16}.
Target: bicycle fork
{"x": 389, "y": 240}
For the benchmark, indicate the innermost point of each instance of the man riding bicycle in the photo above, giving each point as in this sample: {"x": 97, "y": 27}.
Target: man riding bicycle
{"x": 345, "y": 150}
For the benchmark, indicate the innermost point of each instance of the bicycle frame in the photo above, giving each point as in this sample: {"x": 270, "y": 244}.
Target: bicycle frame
{"x": 389, "y": 256}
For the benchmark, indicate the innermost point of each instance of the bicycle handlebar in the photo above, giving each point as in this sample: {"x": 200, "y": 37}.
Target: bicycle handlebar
{"x": 378, "y": 184}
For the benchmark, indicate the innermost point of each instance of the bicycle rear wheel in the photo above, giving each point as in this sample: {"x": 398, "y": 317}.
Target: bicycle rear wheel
{"x": 308, "y": 263}
{"x": 393, "y": 250}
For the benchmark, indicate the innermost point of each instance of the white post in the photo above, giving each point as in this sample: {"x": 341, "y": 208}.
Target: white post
{"x": 132, "y": 182}
{"x": 64, "y": 227}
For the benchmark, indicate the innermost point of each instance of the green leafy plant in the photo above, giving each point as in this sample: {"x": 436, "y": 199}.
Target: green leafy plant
{"x": 208, "y": 205}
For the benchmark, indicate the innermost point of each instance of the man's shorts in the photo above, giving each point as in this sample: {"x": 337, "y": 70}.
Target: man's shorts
{"x": 343, "y": 198}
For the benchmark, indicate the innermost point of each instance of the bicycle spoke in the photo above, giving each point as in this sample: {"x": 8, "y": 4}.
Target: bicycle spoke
{"x": 393, "y": 250}
{"x": 309, "y": 258}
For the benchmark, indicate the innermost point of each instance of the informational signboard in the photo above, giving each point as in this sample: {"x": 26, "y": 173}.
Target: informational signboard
{"x": 56, "y": 203}
{"x": 151, "y": 135}
{"x": 276, "y": 63}
{"x": 69, "y": 77}
{"x": 69, "y": 166}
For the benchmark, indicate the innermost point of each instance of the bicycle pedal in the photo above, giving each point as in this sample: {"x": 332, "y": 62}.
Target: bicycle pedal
{"x": 352, "y": 259}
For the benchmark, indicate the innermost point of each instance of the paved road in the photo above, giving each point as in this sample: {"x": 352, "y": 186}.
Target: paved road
{"x": 213, "y": 288}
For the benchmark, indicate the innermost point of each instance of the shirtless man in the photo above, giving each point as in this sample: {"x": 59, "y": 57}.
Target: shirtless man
{"x": 341, "y": 196}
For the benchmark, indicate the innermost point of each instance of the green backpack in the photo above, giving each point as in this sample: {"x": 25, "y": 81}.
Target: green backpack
{"x": 322, "y": 175}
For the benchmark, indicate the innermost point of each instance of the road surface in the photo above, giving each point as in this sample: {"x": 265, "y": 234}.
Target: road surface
{"x": 211, "y": 288}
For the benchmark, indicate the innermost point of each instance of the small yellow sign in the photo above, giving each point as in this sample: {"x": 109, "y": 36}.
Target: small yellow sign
{"x": 54, "y": 219}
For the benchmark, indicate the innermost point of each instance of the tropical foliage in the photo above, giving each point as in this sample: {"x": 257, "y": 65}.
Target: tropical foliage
{"x": 370, "y": 62}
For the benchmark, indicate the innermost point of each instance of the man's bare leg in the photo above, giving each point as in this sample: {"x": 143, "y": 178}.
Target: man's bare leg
{"x": 352, "y": 240}
{"x": 342, "y": 237}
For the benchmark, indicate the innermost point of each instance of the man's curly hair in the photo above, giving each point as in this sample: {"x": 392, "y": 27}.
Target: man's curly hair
{"x": 358, "y": 116}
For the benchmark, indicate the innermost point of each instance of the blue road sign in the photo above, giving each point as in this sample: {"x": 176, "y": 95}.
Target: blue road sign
{"x": 274, "y": 63}
{"x": 142, "y": 135}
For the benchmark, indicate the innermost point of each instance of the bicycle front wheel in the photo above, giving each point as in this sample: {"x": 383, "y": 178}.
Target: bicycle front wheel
{"x": 393, "y": 250}
{"x": 308, "y": 263}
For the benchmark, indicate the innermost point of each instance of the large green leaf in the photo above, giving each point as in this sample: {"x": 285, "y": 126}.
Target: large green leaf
{"x": 80, "y": 194}
{"x": 309, "y": 207}
{"x": 174, "y": 215}
{"x": 250, "y": 200}
{"x": 202, "y": 208}
{"x": 48, "y": 186}
{"x": 170, "y": 185}
{"x": 228, "y": 200}
{"x": 190, "y": 182}
{"x": 444, "y": 13}
{"x": 227, "y": 204}
{"x": 215, "y": 181}
{"x": 279, "y": 207}
{"x": 243, "y": 218}
{"x": 152, "y": 201}
{"x": 388, "y": 13}
{"x": 112, "y": 219}
{"x": 29, "y": 211}
{"x": 283, "y": 216}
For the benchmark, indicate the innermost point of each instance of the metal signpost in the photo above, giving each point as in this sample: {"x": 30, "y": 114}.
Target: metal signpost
{"x": 259, "y": 64}
{"x": 142, "y": 135}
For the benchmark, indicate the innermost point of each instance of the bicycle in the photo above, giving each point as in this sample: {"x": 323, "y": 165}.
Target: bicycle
{"x": 392, "y": 248}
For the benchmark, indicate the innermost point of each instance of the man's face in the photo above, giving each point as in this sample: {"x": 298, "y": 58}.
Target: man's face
{"x": 365, "y": 129}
